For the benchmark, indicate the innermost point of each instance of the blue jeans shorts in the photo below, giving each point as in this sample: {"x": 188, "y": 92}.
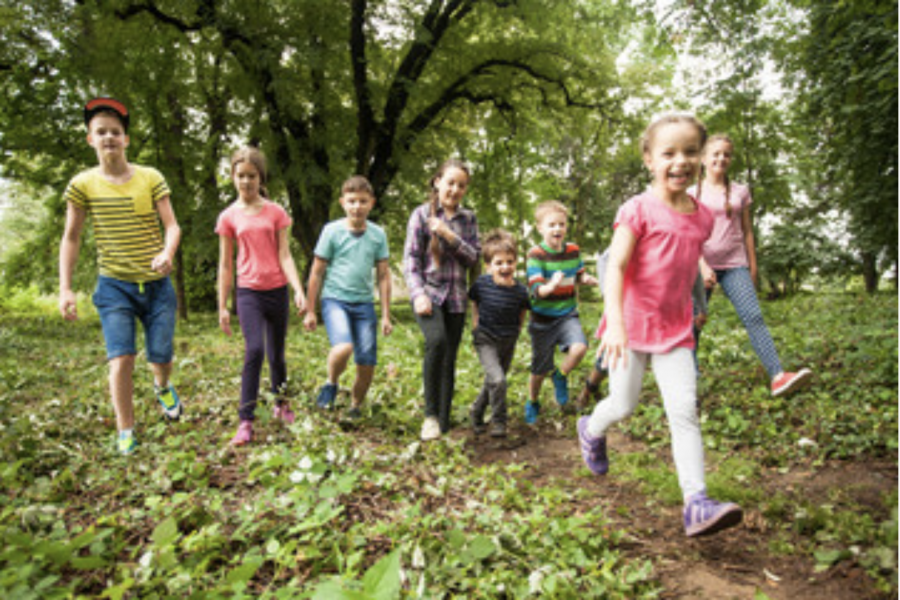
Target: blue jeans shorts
{"x": 547, "y": 335}
{"x": 153, "y": 303}
{"x": 352, "y": 323}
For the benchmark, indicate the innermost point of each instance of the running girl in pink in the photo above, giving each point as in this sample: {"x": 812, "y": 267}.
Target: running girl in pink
{"x": 265, "y": 267}
{"x": 648, "y": 317}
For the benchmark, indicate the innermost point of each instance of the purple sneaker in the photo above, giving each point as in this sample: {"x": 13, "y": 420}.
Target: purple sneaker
{"x": 704, "y": 516}
{"x": 284, "y": 412}
{"x": 593, "y": 450}
{"x": 244, "y": 434}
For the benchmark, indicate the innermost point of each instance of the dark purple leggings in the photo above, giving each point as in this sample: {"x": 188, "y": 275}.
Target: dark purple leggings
{"x": 264, "y": 320}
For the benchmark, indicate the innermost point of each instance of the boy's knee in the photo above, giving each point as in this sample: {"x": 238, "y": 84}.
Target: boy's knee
{"x": 578, "y": 350}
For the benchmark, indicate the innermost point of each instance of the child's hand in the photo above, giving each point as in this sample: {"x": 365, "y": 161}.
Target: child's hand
{"x": 310, "y": 322}
{"x": 439, "y": 227}
{"x": 700, "y": 321}
{"x": 225, "y": 321}
{"x": 161, "y": 263}
{"x": 589, "y": 280}
{"x": 422, "y": 305}
{"x": 386, "y": 326}
{"x": 68, "y": 307}
{"x": 613, "y": 346}
{"x": 709, "y": 276}
{"x": 300, "y": 303}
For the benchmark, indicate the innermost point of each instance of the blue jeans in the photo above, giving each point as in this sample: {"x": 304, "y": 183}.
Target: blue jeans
{"x": 738, "y": 287}
{"x": 121, "y": 303}
{"x": 352, "y": 323}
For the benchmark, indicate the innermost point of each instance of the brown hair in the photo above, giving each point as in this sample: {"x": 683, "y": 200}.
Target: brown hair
{"x": 668, "y": 119}
{"x": 357, "y": 184}
{"x": 550, "y": 206}
{"x": 498, "y": 241}
{"x": 434, "y": 201}
{"x": 719, "y": 137}
{"x": 256, "y": 158}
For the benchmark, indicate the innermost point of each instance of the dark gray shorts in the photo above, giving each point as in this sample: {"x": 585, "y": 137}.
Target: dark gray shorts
{"x": 546, "y": 336}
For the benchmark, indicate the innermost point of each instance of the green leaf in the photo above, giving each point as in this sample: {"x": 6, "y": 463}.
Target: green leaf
{"x": 382, "y": 580}
{"x": 245, "y": 572}
{"x": 165, "y": 533}
{"x": 480, "y": 548}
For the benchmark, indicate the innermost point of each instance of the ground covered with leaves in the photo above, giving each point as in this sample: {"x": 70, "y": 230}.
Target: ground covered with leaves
{"x": 326, "y": 509}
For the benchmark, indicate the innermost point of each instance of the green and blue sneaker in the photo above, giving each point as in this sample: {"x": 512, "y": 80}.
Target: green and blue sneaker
{"x": 169, "y": 401}
{"x": 126, "y": 443}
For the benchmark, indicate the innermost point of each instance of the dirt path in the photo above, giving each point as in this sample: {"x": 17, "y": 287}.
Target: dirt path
{"x": 733, "y": 564}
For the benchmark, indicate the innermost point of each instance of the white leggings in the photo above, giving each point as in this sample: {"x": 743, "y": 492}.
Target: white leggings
{"x": 677, "y": 382}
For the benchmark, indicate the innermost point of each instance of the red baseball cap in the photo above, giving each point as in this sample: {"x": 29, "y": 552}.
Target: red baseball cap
{"x": 98, "y": 104}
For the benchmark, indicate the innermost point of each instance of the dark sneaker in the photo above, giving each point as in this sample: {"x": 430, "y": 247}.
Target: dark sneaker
{"x": 787, "y": 383}
{"x": 354, "y": 414}
{"x": 327, "y": 395}
{"x": 169, "y": 401}
{"x": 532, "y": 411}
{"x": 477, "y": 421}
{"x": 593, "y": 450}
{"x": 560, "y": 387}
{"x": 244, "y": 434}
{"x": 126, "y": 443}
{"x": 704, "y": 516}
{"x": 498, "y": 430}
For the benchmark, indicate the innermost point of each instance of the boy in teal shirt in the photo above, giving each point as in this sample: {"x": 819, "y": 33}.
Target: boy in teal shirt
{"x": 347, "y": 252}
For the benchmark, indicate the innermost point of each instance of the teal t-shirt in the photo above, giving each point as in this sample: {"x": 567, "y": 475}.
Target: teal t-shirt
{"x": 351, "y": 260}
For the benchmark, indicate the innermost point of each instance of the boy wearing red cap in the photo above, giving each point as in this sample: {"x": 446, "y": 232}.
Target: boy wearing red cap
{"x": 126, "y": 202}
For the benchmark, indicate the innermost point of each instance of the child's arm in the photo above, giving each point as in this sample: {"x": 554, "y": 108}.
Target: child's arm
{"x": 316, "y": 276}
{"x": 615, "y": 339}
{"x": 749, "y": 242}
{"x": 383, "y": 270}
{"x": 474, "y": 315}
{"x": 709, "y": 276}
{"x": 290, "y": 270}
{"x": 698, "y": 298}
{"x": 68, "y": 256}
{"x": 465, "y": 247}
{"x": 224, "y": 279}
{"x": 164, "y": 261}
{"x": 414, "y": 264}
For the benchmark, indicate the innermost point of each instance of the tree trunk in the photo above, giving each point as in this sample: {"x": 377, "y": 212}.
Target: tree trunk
{"x": 870, "y": 272}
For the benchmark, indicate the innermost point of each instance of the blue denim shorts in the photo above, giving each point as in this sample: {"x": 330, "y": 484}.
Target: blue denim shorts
{"x": 120, "y": 303}
{"x": 546, "y": 336}
{"x": 352, "y": 323}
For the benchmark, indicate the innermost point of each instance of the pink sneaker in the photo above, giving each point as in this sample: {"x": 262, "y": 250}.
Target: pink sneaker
{"x": 284, "y": 412}
{"x": 244, "y": 434}
{"x": 787, "y": 383}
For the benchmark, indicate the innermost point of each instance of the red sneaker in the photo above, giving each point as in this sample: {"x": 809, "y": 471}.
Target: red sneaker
{"x": 787, "y": 383}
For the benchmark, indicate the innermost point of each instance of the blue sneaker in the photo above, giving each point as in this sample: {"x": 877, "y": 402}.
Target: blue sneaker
{"x": 560, "y": 387}
{"x": 327, "y": 395}
{"x": 126, "y": 443}
{"x": 705, "y": 516}
{"x": 169, "y": 401}
{"x": 593, "y": 449}
{"x": 532, "y": 411}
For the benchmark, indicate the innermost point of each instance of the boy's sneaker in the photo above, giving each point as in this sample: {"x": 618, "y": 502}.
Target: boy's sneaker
{"x": 431, "y": 429}
{"x": 327, "y": 395}
{"x": 169, "y": 401}
{"x": 790, "y": 382}
{"x": 704, "y": 516}
{"x": 560, "y": 387}
{"x": 477, "y": 421}
{"x": 244, "y": 434}
{"x": 354, "y": 414}
{"x": 532, "y": 411}
{"x": 593, "y": 450}
{"x": 284, "y": 412}
{"x": 498, "y": 430}
{"x": 126, "y": 443}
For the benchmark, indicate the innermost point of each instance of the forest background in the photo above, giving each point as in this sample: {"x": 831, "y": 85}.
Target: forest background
{"x": 545, "y": 100}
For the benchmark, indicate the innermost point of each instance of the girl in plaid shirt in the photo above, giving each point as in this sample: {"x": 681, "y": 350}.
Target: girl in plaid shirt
{"x": 441, "y": 246}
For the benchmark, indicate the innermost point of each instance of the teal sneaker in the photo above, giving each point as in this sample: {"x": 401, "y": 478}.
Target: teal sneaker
{"x": 560, "y": 387}
{"x": 169, "y": 401}
{"x": 532, "y": 410}
{"x": 126, "y": 443}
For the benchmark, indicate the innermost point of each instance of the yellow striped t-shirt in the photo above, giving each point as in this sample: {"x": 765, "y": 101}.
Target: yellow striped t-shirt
{"x": 126, "y": 225}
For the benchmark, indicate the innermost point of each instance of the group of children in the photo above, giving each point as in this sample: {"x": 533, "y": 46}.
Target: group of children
{"x": 664, "y": 241}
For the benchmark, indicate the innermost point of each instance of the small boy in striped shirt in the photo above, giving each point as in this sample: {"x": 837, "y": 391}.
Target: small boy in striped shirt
{"x": 554, "y": 269}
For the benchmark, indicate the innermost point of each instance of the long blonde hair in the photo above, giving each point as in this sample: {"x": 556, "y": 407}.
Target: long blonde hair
{"x": 718, "y": 137}
{"x": 434, "y": 201}
{"x": 255, "y": 157}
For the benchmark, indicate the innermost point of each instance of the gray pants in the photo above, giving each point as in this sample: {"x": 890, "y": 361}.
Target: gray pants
{"x": 496, "y": 355}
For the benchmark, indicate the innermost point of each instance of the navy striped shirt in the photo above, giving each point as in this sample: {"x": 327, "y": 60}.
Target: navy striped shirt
{"x": 499, "y": 306}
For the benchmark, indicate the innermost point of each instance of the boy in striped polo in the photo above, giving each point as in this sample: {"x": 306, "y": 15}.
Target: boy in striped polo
{"x": 554, "y": 268}
{"x": 126, "y": 203}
